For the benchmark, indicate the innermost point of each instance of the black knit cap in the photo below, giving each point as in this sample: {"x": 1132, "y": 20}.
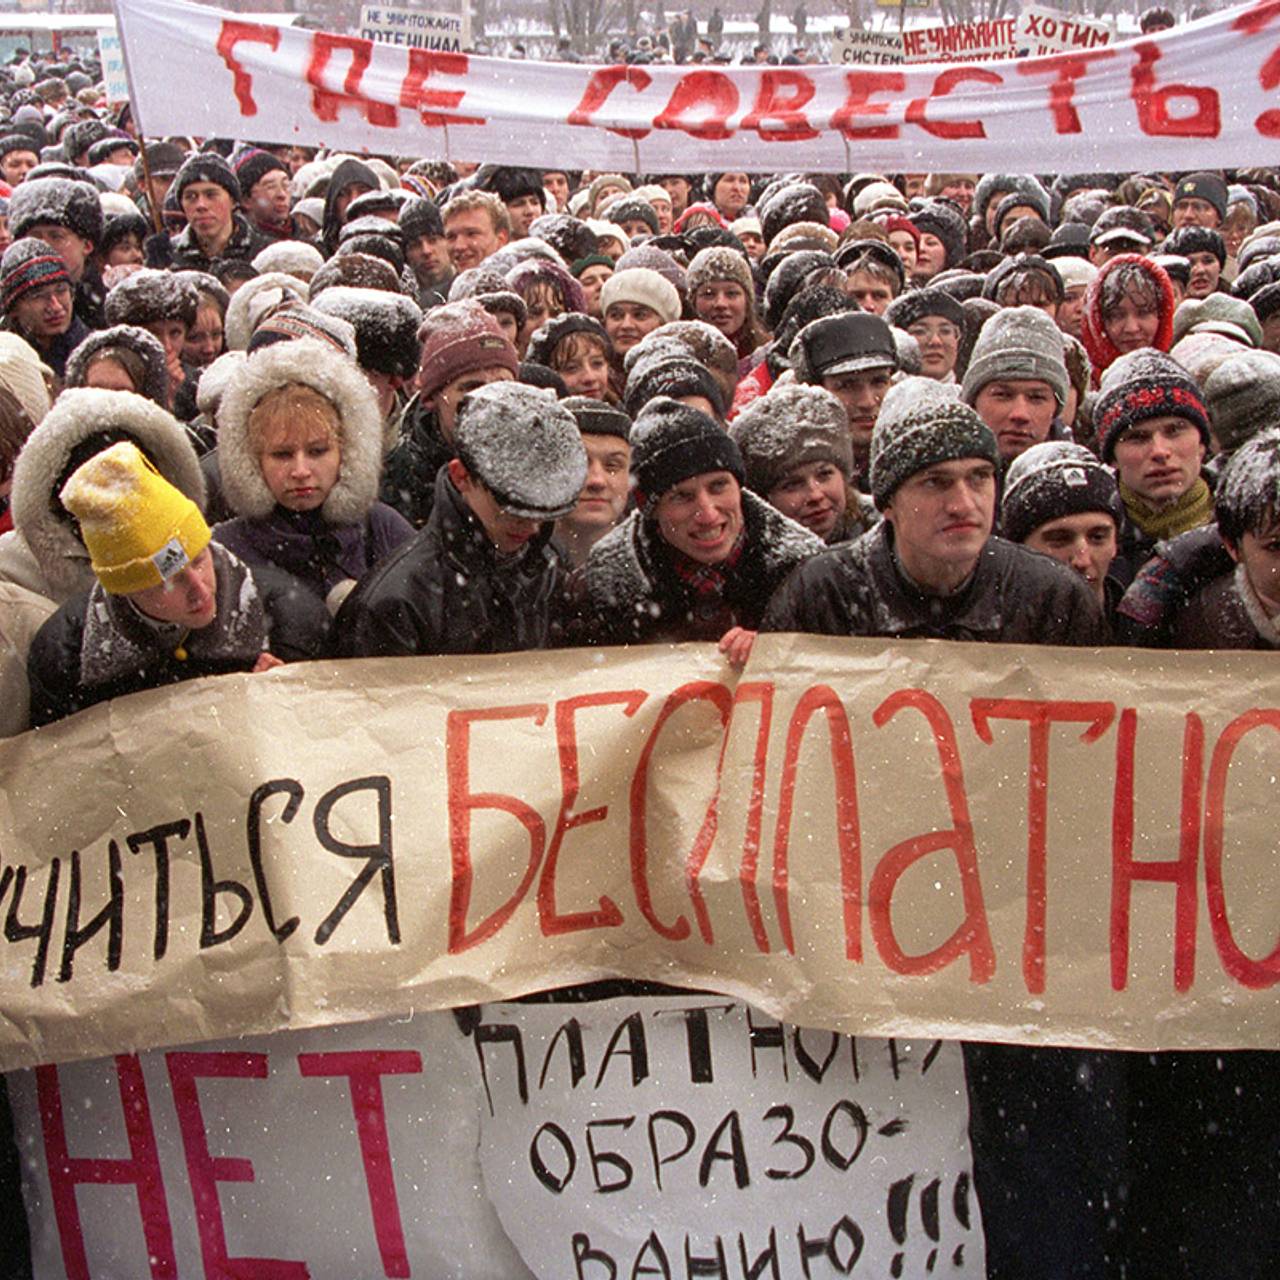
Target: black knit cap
{"x": 941, "y": 218}
{"x": 104, "y": 148}
{"x": 253, "y": 164}
{"x": 1070, "y": 240}
{"x": 595, "y": 418}
{"x": 509, "y": 183}
{"x": 904, "y": 311}
{"x": 17, "y": 142}
{"x": 420, "y": 217}
{"x": 1188, "y": 240}
{"x": 544, "y": 342}
{"x": 1145, "y": 384}
{"x": 1052, "y": 480}
{"x": 1203, "y": 186}
{"x": 671, "y": 442}
{"x": 629, "y": 208}
{"x": 207, "y": 166}
{"x": 673, "y": 377}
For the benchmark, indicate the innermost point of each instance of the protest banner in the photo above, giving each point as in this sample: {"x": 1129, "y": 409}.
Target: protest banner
{"x": 1189, "y": 98}
{"x": 962, "y": 41}
{"x": 866, "y": 48}
{"x": 916, "y": 840}
{"x": 633, "y": 1135}
{"x": 1042, "y": 31}
{"x": 416, "y": 28}
{"x": 113, "y": 73}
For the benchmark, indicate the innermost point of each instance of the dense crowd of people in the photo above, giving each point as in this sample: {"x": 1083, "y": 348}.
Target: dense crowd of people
{"x": 262, "y": 404}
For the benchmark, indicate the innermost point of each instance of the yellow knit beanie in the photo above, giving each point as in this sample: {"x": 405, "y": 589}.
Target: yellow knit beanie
{"x": 139, "y": 530}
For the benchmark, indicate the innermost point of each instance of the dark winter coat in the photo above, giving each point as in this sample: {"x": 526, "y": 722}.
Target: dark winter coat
{"x": 90, "y": 296}
{"x": 55, "y": 355}
{"x": 448, "y": 590}
{"x": 319, "y": 554}
{"x": 1224, "y": 615}
{"x": 98, "y": 646}
{"x": 409, "y": 470}
{"x": 629, "y": 592}
{"x": 1178, "y": 569}
{"x": 185, "y": 253}
{"x": 1015, "y": 596}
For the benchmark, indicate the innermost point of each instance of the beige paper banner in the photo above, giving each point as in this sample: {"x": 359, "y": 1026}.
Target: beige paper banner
{"x": 1041, "y": 846}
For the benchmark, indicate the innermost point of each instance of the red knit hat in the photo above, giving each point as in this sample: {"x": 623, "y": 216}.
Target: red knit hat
{"x": 457, "y": 338}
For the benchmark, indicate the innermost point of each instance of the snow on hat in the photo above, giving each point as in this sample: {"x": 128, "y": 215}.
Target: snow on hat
{"x": 420, "y": 217}
{"x": 206, "y": 166}
{"x": 1123, "y": 224}
{"x": 28, "y": 264}
{"x": 375, "y": 203}
{"x": 490, "y": 289}
{"x": 748, "y": 225}
{"x": 791, "y": 426}
{"x": 361, "y": 270}
{"x": 1202, "y": 186}
{"x": 136, "y": 349}
{"x": 719, "y": 263}
{"x": 654, "y": 259}
{"x": 1140, "y": 385}
{"x": 310, "y": 363}
{"x": 1055, "y": 479}
{"x": 524, "y": 446}
{"x": 458, "y": 338}
{"x": 1218, "y": 313}
{"x": 105, "y": 147}
{"x": 941, "y": 219}
{"x": 22, "y": 373}
{"x": 253, "y": 164}
{"x": 1075, "y": 271}
{"x": 670, "y": 442}
{"x": 79, "y": 137}
{"x": 293, "y": 257}
{"x": 254, "y": 301}
{"x": 386, "y": 326}
{"x": 1243, "y": 397}
{"x": 164, "y": 159}
{"x": 922, "y": 431}
{"x": 1247, "y": 497}
{"x": 915, "y": 305}
{"x": 630, "y": 209}
{"x": 140, "y": 531}
{"x": 643, "y": 287}
{"x": 215, "y": 380}
{"x": 1024, "y": 199}
{"x": 704, "y": 342}
{"x": 570, "y": 237}
{"x": 149, "y": 295}
{"x": 673, "y": 376}
{"x": 795, "y": 202}
{"x": 312, "y": 208}
{"x": 847, "y": 343}
{"x": 804, "y": 235}
{"x": 998, "y": 185}
{"x": 1018, "y": 343}
{"x": 60, "y": 201}
{"x": 296, "y": 320}
{"x": 547, "y": 338}
{"x": 527, "y": 275}
{"x": 786, "y": 280}
{"x": 1265, "y": 301}
{"x": 596, "y": 418}
{"x": 878, "y": 195}
{"x": 1190, "y": 239}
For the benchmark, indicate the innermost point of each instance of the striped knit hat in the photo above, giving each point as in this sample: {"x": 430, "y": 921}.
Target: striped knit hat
{"x": 28, "y": 264}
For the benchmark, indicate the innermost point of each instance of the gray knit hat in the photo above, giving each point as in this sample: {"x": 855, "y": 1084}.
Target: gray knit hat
{"x": 1243, "y": 397}
{"x": 1218, "y": 313}
{"x": 791, "y": 426}
{"x": 922, "y": 430}
{"x": 524, "y": 446}
{"x": 1018, "y": 343}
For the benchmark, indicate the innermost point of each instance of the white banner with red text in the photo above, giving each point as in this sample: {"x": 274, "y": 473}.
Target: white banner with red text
{"x": 921, "y": 839}
{"x": 1199, "y": 96}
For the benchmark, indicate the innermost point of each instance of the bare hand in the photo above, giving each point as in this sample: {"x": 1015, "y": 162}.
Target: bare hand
{"x": 736, "y": 644}
{"x": 266, "y": 661}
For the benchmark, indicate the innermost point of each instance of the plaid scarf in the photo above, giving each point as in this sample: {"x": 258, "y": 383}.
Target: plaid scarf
{"x": 708, "y": 579}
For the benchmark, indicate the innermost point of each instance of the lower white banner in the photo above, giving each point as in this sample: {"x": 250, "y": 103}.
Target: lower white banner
{"x": 637, "y": 1135}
